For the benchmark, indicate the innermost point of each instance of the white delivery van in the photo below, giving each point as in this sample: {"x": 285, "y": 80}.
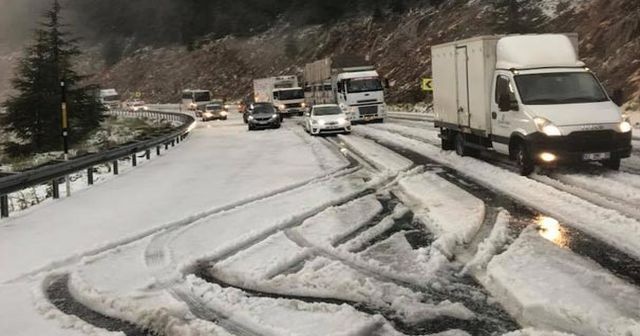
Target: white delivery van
{"x": 528, "y": 97}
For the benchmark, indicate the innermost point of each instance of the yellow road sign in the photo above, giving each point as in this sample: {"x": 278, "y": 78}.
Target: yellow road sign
{"x": 427, "y": 84}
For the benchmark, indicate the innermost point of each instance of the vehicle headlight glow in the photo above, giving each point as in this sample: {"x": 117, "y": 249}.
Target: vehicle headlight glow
{"x": 250, "y": 118}
{"x": 303, "y": 105}
{"x": 223, "y": 113}
{"x": 547, "y": 127}
{"x": 146, "y": 108}
{"x": 208, "y": 115}
{"x": 625, "y": 127}
{"x": 548, "y": 157}
{"x": 274, "y": 116}
{"x": 282, "y": 107}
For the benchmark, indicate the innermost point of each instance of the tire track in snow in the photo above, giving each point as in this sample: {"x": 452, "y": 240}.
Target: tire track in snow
{"x": 59, "y": 295}
{"x": 579, "y": 242}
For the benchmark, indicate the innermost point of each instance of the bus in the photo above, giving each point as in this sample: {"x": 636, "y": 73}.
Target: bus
{"x": 193, "y": 100}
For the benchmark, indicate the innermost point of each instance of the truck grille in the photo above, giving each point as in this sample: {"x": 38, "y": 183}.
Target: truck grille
{"x": 592, "y": 141}
{"x": 368, "y": 110}
{"x": 294, "y": 105}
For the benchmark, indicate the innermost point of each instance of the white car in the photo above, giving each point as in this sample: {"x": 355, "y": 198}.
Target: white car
{"x": 327, "y": 119}
{"x": 136, "y": 105}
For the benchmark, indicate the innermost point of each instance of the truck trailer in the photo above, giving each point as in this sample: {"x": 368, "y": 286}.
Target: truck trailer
{"x": 528, "y": 97}
{"x": 349, "y": 81}
{"x": 283, "y": 92}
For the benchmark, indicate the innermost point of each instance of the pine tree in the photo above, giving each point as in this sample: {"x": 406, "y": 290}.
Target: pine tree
{"x": 34, "y": 114}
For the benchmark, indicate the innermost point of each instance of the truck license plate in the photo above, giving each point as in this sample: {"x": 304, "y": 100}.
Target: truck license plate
{"x": 596, "y": 156}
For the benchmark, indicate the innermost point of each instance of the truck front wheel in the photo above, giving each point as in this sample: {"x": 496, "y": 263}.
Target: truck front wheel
{"x": 526, "y": 166}
{"x": 613, "y": 163}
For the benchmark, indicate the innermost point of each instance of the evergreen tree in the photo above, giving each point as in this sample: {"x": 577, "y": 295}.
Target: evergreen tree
{"x": 34, "y": 114}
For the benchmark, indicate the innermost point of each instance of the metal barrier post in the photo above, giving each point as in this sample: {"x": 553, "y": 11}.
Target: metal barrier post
{"x": 157, "y": 150}
{"x": 166, "y": 146}
{"x": 55, "y": 189}
{"x": 90, "y": 175}
{"x": 134, "y": 159}
{"x": 148, "y": 154}
{"x": 173, "y": 143}
{"x": 4, "y": 206}
{"x": 115, "y": 167}
{"x": 178, "y": 140}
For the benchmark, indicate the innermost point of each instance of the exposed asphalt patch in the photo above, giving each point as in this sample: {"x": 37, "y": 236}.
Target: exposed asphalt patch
{"x": 59, "y": 295}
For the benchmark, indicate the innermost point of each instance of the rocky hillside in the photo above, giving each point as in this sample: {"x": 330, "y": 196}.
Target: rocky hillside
{"x": 398, "y": 43}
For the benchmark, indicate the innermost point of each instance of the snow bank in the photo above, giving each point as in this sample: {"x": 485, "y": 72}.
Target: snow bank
{"x": 535, "y": 332}
{"x": 335, "y": 223}
{"x": 605, "y": 224}
{"x": 491, "y": 246}
{"x": 545, "y": 286}
{"x": 381, "y": 157}
{"x": 450, "y": 213}
{"x": 273, "y": 317}
{"x": 261, "y": 261}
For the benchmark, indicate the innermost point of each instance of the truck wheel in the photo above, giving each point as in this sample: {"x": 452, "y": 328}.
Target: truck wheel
{"x": 446, "y": 144}
{"x": 526, "y": 165}
{"x": 460, "y": 147}
{"x": 613, "y": 164}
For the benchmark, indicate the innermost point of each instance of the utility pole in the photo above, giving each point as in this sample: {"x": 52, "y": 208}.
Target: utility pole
{"x": 63, "y": 91}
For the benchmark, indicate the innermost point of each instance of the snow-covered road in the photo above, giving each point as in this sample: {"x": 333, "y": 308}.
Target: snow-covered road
{"x": 278, "y": 233}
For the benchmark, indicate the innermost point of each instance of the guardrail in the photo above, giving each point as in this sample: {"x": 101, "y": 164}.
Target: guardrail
{"x": 54, "y": 172}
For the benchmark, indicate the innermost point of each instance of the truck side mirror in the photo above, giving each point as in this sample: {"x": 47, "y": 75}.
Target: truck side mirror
{"x": 386, "y": 83}
{"x": 618, "y": 97}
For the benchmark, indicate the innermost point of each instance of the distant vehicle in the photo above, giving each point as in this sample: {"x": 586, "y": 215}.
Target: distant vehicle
{"x": 283, "y": 92}
{"x": 110, "y": 99}
{"x": 136, "y": 105}
{"x": 214, "y": 112}
{"x": 349, "y": 81}
{"x": 263, "y": 115}
{"x": 327, "y": 119}
{"x": 528, "y": 97}
{"x": 194, "y": 100}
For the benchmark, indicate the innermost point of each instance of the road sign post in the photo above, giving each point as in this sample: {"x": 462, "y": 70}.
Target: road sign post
{"x": 427, "y": 84}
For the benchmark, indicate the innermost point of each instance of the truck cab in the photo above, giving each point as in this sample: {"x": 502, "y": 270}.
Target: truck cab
{"x": 361, "y": 95}
{"x": 528, "y": 97}
{"x": 290, "y": 101}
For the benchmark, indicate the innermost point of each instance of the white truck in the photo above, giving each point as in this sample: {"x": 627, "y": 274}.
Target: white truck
{"x": 110, "y": 99}
{"x": 350, "y": 82}
{"x": 528, "y": 97}
{"x": 283, "y": 92}
{"x": 195, "y": 100}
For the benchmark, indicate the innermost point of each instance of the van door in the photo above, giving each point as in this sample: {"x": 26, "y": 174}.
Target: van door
{"x": 502, "y": 119}
{"x": 462, "y": 92}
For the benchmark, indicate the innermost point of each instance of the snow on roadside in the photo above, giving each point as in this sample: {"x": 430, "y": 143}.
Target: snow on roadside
{"x": 604, "y": 185}
{"x": 450, "y": 213}
{"x": 545, "y": 286}
{"x": 605, "y": 224}
{"x": 381, "y": 157}
{"x": 427, "y": 134}
{"x": 273, "y": 317}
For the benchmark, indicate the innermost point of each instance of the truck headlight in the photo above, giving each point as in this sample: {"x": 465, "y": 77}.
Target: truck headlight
{"x": 303, "y": 105}
{"x": 624, "y": 127}
{"x": 282, "y": 107}
{"x": 547, "y": 127}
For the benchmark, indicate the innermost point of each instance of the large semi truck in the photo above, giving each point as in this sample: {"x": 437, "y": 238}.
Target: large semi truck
{"x": 349, "y": 81}
{"x": 283, "y": 92}
{"x": 110, "y": 98}
{"x": 528, "y": 97}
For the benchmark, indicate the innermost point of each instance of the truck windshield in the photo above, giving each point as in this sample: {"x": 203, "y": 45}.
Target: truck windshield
{"x": 290, "y": 94}
{"x": 559, "y": 88}
{"x": 325, "y": 111}
{"x": 364, "y": 85}
{"x": 201, "y": 96}
{"x": 111, "y": 98}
